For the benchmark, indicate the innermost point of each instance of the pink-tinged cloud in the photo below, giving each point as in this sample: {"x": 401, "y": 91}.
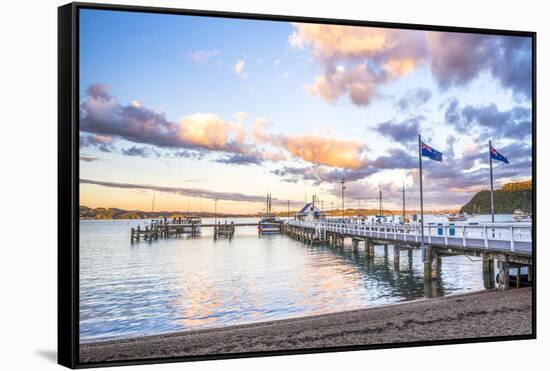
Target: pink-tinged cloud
{"x": 317, "y": 150}
{"x": 210, "y": 131}
{"x": 325, "y": 150}
{"x": 258, "y": 130}
{"x": 104, "y": 120}
{"x": 190, "y": 192}
{"x": 102, "y": 116}
{"x": 356, "y": 61}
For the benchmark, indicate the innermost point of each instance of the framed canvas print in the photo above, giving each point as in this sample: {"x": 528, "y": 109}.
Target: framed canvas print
{"x": 237, "y": 185}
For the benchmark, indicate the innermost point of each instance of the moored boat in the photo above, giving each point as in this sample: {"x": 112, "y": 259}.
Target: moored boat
{"x": 521, "y": 216}
{"x": 460, "y": 217}
{"x": 269, "y": 224}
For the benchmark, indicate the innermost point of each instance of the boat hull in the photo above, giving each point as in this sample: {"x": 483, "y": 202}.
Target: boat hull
{"x": 265, "y": 229}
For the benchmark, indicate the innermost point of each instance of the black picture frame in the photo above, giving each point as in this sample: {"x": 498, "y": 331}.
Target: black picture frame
{"x": 68, "y": 177}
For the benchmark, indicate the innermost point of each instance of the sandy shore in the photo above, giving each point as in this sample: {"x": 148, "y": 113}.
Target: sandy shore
{"x": 480, "y": 314}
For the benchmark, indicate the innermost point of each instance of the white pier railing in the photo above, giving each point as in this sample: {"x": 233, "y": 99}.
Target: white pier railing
{"x": 515, "y": 237}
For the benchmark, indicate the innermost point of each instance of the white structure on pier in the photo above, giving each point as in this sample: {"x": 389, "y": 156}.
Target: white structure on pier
{"x": 309, "y": 213}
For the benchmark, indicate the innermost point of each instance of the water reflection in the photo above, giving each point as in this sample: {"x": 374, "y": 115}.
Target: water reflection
{"x": 182, "y": 284}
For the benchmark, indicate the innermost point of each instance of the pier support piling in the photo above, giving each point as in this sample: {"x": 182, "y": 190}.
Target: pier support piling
{"x": 503, "y": 273}
{"x": 488, "y": 265}
{"x": 432, "y": 263}
{"x": 396, "y": 258}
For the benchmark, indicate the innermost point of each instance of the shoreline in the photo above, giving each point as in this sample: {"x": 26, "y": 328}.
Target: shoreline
{"x": 461, "y": 316}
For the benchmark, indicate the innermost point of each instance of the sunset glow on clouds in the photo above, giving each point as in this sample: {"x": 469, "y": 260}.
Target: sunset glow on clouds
{"x": 293, "y": 108}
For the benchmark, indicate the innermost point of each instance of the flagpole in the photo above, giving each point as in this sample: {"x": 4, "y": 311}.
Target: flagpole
{"x": 421, "y": 195}
{"x": 492, "y": 190}
{"x": 403, "y": 202}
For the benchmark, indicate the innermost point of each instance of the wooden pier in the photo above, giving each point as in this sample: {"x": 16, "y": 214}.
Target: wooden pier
{"x": 224, "y": 230}
{"x": 160, "y": 229}
{"x": 507, "y": 243}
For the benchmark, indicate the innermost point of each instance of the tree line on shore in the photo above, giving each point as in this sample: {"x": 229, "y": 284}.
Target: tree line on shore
{"x": 509, "y": 198}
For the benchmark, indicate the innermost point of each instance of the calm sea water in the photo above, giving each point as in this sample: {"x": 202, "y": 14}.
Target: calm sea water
{"x": 144, "y": 288}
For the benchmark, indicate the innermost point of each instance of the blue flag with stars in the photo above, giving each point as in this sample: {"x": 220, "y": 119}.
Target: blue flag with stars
{"x": 431, "y": 153}
{"x": 495, "y": 155}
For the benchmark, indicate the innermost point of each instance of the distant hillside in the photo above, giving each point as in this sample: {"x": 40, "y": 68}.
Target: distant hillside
{"x": 510, "y": 197}
{"x": 114, "y": 213}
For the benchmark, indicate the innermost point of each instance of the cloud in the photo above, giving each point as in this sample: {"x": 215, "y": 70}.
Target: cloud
{"x": 450, "y": 183}
{"x": 137, "y": 151}
{"x": 102, "y": 142}
{"x": 210, "y": 131}
{"x": 357, "y": 60}
{"x": 324, "y": 150}
{"x": 404, "y": 131}
{"x": 491, "y": 123}
{"x": 292, "y": 174}
{"x": 191, "y": 192}
{"x": 395, "y": 159}
{"x": 414, "y": 99}
{"x": 318, "y": 150}
{"x": 238, "y": 68}
{"x": 240, "y": 159}
{"x": 458, "y": 58}
{"x": 258, "y": 130}
{"x": 185, "y": 153}
{"x": 88, "y": 158}
{"x": 105, "y": 118}
{"x": 203, "y": 56}
{"x": 356, "y": 82}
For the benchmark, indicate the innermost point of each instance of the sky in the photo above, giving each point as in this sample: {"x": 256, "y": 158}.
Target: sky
{"x": 190, "y": 109}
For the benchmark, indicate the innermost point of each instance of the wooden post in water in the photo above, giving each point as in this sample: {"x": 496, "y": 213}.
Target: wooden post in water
{"x": 396, "y": 258}
{"x": 370, "y": 248}
{"x": 132, "y": 235}
{"x": 427, "y": 262}
{"x": 436, "y": 265}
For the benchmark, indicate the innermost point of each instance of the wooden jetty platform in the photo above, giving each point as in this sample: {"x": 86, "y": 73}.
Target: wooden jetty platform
{"x": 510, "y": 244}
{"x": 179, "y": 227}
{"x": 224, "y": 230}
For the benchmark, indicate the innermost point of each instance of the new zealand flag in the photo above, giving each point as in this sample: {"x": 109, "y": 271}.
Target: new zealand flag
{"x": 495, "y": 155}
{"x": 431, "y": 153}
